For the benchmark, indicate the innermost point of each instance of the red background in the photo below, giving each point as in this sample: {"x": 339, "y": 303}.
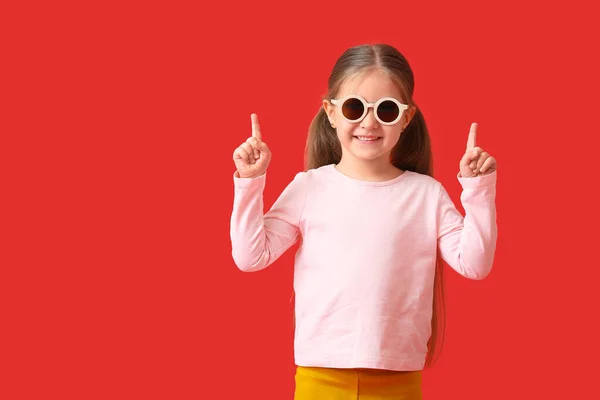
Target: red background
{"x": 118, "y": 126}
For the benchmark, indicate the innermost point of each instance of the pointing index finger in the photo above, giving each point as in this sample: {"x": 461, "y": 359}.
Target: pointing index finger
{"x": 471, "y": 142}
{"x": 256, "y": 127}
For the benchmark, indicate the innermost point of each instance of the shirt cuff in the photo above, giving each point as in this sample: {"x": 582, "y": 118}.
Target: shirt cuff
{"x": 478, "y": 181}
{"x": 246, "y": 183}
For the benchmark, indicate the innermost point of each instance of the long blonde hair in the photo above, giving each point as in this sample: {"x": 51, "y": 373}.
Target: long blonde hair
{"x": 412, "y": 152}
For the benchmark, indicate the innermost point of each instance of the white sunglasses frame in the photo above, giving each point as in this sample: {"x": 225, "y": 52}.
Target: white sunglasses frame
{"x": 367, "y": 105}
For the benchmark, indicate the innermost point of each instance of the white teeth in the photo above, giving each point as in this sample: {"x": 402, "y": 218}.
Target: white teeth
{"x": 364, "y": 139}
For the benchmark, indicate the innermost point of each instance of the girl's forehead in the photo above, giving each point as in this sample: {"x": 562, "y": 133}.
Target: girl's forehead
{"x": 371, "y": 85}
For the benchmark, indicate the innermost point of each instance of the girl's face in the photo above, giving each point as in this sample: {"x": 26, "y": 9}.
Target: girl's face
{"x": 368, "y": 140}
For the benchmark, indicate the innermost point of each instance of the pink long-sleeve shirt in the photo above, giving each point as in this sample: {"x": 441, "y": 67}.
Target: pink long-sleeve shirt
{"x": 364, "y": 271}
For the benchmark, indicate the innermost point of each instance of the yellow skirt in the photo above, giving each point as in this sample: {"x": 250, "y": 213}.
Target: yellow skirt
{"x": 314, "y": 383}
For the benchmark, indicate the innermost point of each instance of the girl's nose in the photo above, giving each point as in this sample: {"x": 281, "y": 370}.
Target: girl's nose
{"x": 369, "y": 122}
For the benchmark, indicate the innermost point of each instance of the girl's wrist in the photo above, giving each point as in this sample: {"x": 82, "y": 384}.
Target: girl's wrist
{"x": 237, "y": 174}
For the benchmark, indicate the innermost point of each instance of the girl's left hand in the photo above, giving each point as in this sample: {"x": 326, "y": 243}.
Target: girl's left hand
{"x": 476, "y": 162}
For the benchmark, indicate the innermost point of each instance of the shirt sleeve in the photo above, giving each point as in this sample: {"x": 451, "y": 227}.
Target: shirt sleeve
{"x": 468, "y": 244}
{"x": 258, "y": 240}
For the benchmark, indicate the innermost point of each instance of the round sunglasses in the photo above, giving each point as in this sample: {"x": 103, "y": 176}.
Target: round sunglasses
{"x": 388, "y": 110}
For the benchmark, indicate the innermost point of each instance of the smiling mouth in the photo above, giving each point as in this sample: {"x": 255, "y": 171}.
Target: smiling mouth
{"x": 367, "y": 139}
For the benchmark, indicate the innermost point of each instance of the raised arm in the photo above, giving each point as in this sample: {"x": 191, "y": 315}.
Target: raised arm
{"x": 468, "y": 244}
{"x": 259, "y": 239}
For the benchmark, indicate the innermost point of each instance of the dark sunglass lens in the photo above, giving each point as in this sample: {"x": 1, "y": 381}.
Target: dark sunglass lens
{"x": 353, "y": 109}
{"x": 388, "y": 111}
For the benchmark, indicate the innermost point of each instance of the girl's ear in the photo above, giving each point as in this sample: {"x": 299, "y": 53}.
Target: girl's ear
{"x": 329, "y": 110}
{"x": 409, "y": 114}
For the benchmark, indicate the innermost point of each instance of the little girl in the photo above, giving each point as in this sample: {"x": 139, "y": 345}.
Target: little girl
{"x": 374, "y": 227}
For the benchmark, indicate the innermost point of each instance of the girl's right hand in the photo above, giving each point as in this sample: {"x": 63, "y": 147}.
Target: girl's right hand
{"x": 253, "y": 156}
